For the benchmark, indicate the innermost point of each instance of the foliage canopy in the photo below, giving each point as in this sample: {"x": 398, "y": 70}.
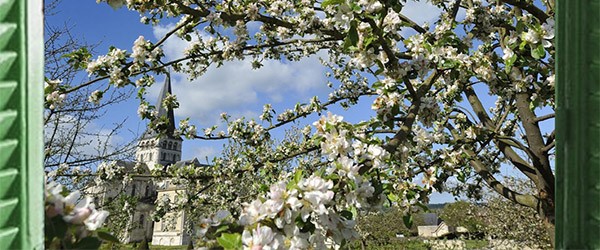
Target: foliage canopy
{"x": 432, "y": 122}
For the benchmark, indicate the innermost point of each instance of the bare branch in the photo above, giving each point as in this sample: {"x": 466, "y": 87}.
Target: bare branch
{"x": 529, "y": 7}
{"x": 545, "y": 117}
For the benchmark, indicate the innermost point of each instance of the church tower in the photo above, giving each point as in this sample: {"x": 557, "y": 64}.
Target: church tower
{"x": 166, "y": 149}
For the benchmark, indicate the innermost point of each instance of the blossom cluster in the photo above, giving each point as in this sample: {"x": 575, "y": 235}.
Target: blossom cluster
{"x": 108, "y": 171}
{"x": 293, "y": 215}
{"x": 54, "y": 96}
{"x": 144, "y": 51}
{"x": 72, "y": 208}
{"x": 301, "y": 212}
{"x": 420, "y": 131}
{"x": 110, "y": 64}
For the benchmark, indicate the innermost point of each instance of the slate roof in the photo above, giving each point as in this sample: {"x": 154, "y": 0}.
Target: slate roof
{"x": 162, "y": 111}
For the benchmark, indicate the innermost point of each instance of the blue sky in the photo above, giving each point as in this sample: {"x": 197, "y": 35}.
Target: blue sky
{"x": 233, "y": 88}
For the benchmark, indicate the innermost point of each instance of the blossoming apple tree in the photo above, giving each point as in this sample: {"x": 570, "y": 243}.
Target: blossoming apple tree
{"x": 432, "y": 122}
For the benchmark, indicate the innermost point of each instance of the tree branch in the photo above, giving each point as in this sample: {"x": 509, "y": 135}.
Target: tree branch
{"x": 506, "y": 149}
{"x": 544, "y": 117}
{"x": 529, "y": 7}
{"x": 535, "y": 142}
{"x": 522, "y": 199}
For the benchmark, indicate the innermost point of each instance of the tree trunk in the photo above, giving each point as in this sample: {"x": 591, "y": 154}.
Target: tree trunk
{"x": 546, "y": 210}
{"x": 550, "y": 229}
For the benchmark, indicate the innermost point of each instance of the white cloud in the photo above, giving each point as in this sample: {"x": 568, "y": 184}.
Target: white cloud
{"x": 238, "y": 89}
{"x": 204, "y": 152}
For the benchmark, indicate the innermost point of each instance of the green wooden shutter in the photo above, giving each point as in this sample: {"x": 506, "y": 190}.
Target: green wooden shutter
{"x": 578, "y": 124}
{"x": 21, "y": 141}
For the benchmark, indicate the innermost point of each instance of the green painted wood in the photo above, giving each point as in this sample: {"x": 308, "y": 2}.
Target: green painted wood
{"x": 578, "y": 124}
{"x": 33, "y": 156}
{"x": 21, "y": 145}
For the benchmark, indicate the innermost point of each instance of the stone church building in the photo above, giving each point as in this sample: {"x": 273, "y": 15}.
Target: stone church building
{"x": 153, "y": 151}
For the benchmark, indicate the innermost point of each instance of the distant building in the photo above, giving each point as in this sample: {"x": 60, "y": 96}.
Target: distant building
{"x": 431, "y": 219}
{"x": 154, "y": 151}
{"x": 174, "y": 227}
{"x": 434, "y": 227}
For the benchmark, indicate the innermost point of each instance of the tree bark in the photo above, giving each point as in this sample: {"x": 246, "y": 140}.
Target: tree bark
{"x": 550, "y": 228}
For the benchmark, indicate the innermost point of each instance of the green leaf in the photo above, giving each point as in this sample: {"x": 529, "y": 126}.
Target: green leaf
{"x": 354, "y": 211}
{"x": 88, "y": 243}
{"x": 222, "y": 229}
{"x": 461, "y": 176}
{"x": 105, "y": 235}
{"x": 346, "y": 214}
{"x": 510, "y": 61}
{"x": 368, "y": 41}
{"x": 295, "y": 180}
{"x": 55, "y": 227}
{"x": 78, "y": 58}
{"x": 305, "y": 226}
{"x": 538, "y": 52}
{"x": 408, "y": 220}
{"x": 115, "y": 4}
{"x": 308, "y": 227}
{"x": 393, "y": 197}
{"x": 352, "y": 36}
{"x": 448, "y": 64}
{"x": 230, "y": 241}
{"x": 522, "y": 45}
{"x": 396, "y": 5}
{"x": 520, "y": 27}
{"x": 263, "y": 188}
{"x": 326, "y": 3}
{"x": 298, "y": 176}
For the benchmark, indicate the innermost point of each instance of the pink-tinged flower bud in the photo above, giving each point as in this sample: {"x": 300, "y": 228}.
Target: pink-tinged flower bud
{"x": 78, "y": 215}
{"x": 95, "y": 220}
{"x": 51, "y": 211}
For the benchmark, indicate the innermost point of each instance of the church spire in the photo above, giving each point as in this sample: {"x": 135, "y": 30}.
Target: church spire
{"x": 164, "y": 112}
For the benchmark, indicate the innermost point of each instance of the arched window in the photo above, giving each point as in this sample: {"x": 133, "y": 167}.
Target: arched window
{"x": 175, "y": 145}
{"x": 164, "y": 144}
{"x": 133, "y": 190}
{"x": 174, "y": 157}
{"x": 141, "y": 224}
{"x": 164, "y": 155}
{"x": 170, "y": 145}
{"x": 147, "y": 192}
{"x": 150, "y": 159}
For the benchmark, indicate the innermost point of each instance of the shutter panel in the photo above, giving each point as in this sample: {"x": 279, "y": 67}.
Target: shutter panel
{"x": 21, "y": 145}
{"x": 578, "y": 124}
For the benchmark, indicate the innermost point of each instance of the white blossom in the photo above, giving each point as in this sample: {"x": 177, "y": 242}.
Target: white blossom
{"x": 260, "y": 238}
{"x": 95, "y": 97}
{"x": 531, "y": 36}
